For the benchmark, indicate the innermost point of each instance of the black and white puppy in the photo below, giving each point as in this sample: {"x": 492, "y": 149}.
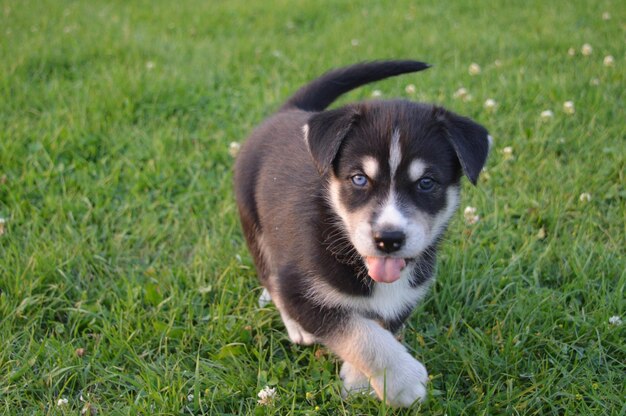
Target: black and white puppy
{"x": 343, "y": 210}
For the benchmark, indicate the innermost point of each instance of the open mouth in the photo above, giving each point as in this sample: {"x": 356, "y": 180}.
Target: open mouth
{"x": 384, "y": 269}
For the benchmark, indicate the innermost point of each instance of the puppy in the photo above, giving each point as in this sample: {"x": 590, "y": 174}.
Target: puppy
{"x": 343, "y": 211}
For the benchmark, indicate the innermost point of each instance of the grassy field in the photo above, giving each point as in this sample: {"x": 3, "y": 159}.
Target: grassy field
{"x": 125, "y": 285}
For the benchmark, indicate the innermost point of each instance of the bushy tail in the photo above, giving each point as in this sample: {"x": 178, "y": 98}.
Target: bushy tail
{"x": 318, "y": 94}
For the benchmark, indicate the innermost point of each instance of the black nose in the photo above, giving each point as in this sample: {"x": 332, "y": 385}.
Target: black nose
{"x": 389, "y": 241}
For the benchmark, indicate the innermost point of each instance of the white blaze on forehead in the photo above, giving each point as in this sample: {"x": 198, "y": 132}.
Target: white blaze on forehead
{"x": 305, "y": 132}
{"x": 370, "y": 166}
{"x": 390, "y": 215}
{"x": 416, "y": 170}
{"x": 395, "y": 154}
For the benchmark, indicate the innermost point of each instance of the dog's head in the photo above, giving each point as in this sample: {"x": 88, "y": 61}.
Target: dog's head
{"x": 393, "y": 171}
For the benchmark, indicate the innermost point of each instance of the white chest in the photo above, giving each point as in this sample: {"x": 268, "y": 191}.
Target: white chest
{"x": 388, "y": 300}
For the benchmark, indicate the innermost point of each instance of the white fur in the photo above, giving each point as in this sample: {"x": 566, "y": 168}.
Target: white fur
{"x": 441, "y": 219}
{"x": 395, "y": 153}
{"x": 390, "y": 215}
{"x": 370, "y": 166}
{"x": 388, "y": 300}
{"x": 373, "y": 351}
{"x": 350, "y": 220}
{"x": 421, "y": 230}
{"x": 361, "y": 230}
{"x": 354, "y": 381}
{"x": 297, "y": 334}
{"x": 305, "y": 133}
{"x": 416, "y": 169}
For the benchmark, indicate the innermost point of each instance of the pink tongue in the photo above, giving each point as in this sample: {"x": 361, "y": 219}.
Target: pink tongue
{"x": 384, "y": 269}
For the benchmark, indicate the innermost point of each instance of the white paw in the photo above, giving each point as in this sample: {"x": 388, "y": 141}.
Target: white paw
{"x": 354, "y": 381}
{"x": 403, "y": 384}
{"x": 297, "y": 334}
{"x": 265, "y": 298}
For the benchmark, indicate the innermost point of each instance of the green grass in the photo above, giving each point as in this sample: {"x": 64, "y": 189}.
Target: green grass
{"x": 121, "y": 235}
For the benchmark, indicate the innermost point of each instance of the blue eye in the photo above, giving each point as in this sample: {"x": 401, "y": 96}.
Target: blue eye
{"x": 425, "y": 184}
{"x": 359, "y": 180}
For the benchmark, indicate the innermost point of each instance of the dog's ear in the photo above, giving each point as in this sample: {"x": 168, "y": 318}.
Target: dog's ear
{"x": 324, "y": 133}
{"x": 470, "y": 141}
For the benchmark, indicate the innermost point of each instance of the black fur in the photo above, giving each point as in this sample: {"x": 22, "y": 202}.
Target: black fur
{"x": 320, "y": 93}
{"x": 296, "y": 236}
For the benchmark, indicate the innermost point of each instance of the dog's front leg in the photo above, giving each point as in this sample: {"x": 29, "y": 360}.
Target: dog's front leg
{"x": 372, "y": 350}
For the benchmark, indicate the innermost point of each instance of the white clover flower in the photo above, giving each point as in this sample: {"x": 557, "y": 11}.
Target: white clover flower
{"x": 462, "y": 94}
{"x": 469, "y": 210}
{"x": 89, "y": 409}
{"x": 376, "y": 93}
{"x": 410, "y": 89}
{"x": 594, "y": 82}
{"x": 497, "y": 63}
{"x": 150, "y": 65}
{"x": 568, "y": 107}
{"x": 355, "y": 42}
{"x": 606, "y": 16}
{"x": 546, "y": 114}
{"x": 615, "y": 320}
{"x": 470, "y": 215}
{"x": 233, "y": 149}
{"x": 586, "y": 49}
{"x": 585, "y": 197}
{"x": 62, "y": 402}
{"x": 541, "y": 234}
{"x": 507, "y": 152}
{"x": 266, "y": 396}
{"x": 608, "y": 60}
{"x": 190, "y": 397}
{"x": 490, "y": 104}
{"x": 474, "y": 69}
{"x": 571, "y": 51}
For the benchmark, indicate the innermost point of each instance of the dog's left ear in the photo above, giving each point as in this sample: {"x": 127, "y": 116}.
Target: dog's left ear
{"x": 324, "y": 133}
{"x": 470, "y": 141}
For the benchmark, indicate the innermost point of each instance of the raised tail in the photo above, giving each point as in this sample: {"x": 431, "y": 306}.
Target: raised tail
{"x": 318, "y": 94}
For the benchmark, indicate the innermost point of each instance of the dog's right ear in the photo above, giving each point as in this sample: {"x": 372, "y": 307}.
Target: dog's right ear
{"x": 324, "y": 133}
